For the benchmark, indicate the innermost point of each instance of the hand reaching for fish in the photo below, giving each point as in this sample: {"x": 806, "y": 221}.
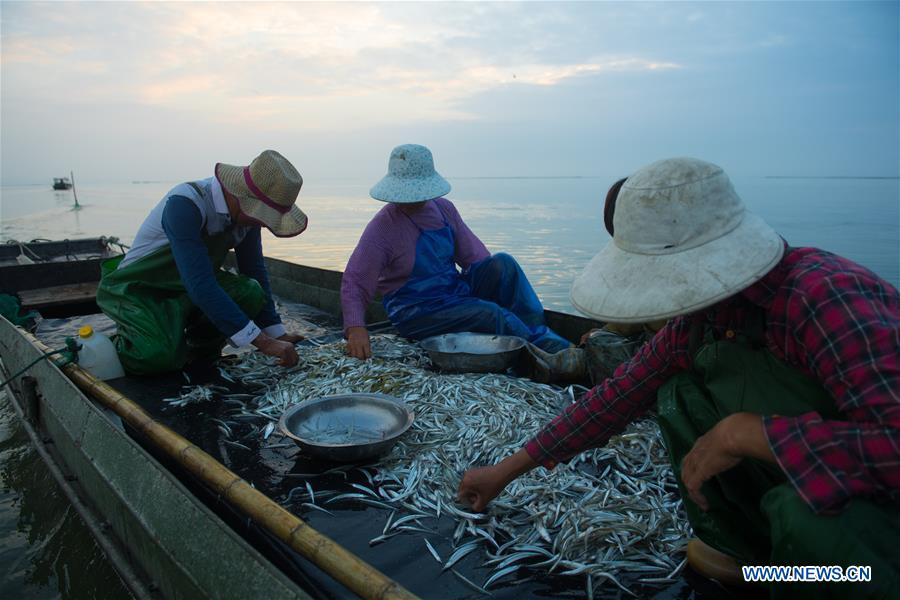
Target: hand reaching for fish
{"x": 291, "y": 338}
{"x": 482, "y": 484}
{"x": 284, "y": 351}
{"x": 358, "y": 345}
{"x": 479, "y": 486}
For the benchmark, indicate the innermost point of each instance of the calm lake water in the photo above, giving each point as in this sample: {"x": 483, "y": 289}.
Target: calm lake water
{"x": 552, "y": 226}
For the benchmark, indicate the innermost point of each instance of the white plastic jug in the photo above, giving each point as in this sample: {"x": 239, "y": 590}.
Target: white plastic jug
{"x": 98, "y": 355}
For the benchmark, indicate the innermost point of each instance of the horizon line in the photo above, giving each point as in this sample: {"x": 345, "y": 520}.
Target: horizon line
{"x": 502, "y": 177}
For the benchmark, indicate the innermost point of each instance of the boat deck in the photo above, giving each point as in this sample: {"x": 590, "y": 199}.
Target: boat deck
{"x": 275, "y": 467}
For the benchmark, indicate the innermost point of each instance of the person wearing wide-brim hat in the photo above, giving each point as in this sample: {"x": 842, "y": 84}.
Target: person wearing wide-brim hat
{"x": 776, "y": 380}
{"x": 169, "y": 297}
{"x": 411, "y": 253}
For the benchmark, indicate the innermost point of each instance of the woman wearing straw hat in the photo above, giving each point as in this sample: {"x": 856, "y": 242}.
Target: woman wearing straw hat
{"x": 777, "y": 380}
{"x": 170, "y": 299}
{"x": 409, "y": 252}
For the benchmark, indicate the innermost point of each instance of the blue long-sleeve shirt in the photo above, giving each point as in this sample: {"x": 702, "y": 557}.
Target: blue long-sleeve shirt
{"x": 198, "y": 208}
{"x": 183, "y": 224}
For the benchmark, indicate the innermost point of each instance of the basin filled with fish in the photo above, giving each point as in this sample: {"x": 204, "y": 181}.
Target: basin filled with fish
{"x": 473, "y": 352}
{"x": 347, "y": 427}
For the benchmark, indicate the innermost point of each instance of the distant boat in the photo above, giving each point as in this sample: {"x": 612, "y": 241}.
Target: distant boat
{"x": 62, "y": 183}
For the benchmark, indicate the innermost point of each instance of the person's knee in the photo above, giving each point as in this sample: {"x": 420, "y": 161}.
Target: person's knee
{"x": 504, "y": 263}
{"x": 790, "y": 521}
{"x": 495, "y": 271}
{"x": 249, "y": 295}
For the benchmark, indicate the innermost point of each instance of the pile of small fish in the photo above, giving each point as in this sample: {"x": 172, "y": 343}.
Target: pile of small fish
{"x": 344, "y": 434}
{"x": 196, "y": 394}
{"x": 610, "y": 511}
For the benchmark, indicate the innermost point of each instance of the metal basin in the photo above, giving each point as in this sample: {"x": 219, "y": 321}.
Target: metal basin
{"x": 473, "y": 352}
{"x": 347, "y": 427}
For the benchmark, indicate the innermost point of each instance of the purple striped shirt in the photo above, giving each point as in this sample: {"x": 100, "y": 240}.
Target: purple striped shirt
{"x": 386, "y": 252}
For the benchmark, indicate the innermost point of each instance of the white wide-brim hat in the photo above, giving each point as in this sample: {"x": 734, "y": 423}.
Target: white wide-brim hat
{"x": 682, "y": 241}
{"x": 411, "y": 177}
{"x": 266, "y": 191}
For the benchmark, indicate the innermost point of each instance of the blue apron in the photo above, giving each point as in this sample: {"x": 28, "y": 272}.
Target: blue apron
{"x": 434, "y": 283}
{"x": 436, "y": 299}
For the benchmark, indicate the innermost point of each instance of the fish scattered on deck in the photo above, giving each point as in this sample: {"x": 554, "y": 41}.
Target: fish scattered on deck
{"x": 610, "y": 511}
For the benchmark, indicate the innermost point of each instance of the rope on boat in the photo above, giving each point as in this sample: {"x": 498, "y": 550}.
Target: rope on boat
{"x": 25, "y": 251}
{"x": 70, "y": 351}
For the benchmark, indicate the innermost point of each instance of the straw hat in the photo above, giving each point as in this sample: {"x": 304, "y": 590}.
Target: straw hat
{"x": 266, "y": 191}
{"x": 411, "y": 177}
{"x": 682, "y": 241}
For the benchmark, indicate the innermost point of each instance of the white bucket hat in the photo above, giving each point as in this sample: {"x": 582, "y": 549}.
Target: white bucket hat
{"x": 411, "y": 177}
{"x": 682, "y": 241}
{"x": 266, "y": 191}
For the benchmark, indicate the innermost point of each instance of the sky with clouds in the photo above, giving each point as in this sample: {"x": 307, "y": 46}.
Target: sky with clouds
{"x": 122, "y": 91}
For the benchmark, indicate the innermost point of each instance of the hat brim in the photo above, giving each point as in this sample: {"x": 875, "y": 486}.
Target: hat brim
{"x": 626, "y": 287}
{"x": 406, "y": 191}
{"x": 288, "y": 224}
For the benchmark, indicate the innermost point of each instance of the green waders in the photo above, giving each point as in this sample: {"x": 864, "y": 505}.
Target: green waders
{"x": 755, "y": 514}
{"x": 159, "y": 328}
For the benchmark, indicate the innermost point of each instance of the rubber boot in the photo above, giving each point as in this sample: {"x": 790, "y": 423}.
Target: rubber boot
{"x": 544, "y": 367}
{"x": 606, "y": 350}
{"x": 712, "y": 564}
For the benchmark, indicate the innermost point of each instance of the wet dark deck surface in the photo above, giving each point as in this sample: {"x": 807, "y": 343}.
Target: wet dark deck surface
{"x": 273, "y": 466}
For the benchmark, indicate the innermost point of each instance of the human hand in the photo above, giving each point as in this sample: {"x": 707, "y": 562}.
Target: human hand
{"x": 482, "y": 484}
{"x": 479, "y": 486}
{"x": 358, "y": 343}
{"x": 735, "y": 437}
{"x": 291, "y": 338}
{"x": 282, "y": 350}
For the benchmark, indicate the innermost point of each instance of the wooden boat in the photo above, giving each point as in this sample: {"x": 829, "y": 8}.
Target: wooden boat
{"x": 175, "y": 521}
{"x": 62, "y": 183}
{"x": 55, "y": 276}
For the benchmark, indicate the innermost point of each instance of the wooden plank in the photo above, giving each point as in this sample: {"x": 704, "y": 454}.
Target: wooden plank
{"x": 56, "y": 295}
{"x": 16, "y": 278}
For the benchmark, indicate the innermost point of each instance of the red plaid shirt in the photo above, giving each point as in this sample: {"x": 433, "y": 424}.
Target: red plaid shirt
{"x": 826, "y": 316}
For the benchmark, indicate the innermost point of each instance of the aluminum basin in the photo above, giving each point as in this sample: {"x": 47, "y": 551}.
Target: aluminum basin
{"x": 347, "y": 427}
{"x": 473, "y": 352}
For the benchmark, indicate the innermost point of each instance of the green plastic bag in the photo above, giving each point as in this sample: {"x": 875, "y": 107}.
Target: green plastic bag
{"x": 10, "y": 308}
{"x": 159, "y": 328}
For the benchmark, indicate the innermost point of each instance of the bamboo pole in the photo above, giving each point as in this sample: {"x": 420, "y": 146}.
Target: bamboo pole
{"x": 74, "y": 193}
{"x": 341, "y": 564}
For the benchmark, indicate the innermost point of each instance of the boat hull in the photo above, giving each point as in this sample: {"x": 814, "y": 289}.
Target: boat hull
{"x": 143, "y": 508}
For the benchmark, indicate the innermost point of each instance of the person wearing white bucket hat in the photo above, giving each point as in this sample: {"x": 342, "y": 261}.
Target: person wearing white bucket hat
{"x": 170, "y": 299}
{"x": 409, "y": 253}
{"x": 776, "y": 379}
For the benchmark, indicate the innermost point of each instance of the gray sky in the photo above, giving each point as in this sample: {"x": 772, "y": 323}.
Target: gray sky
{"x": 161, "y": 91}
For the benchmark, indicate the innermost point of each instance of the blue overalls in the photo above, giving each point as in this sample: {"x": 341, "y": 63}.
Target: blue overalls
{"x": 492, "y": 296}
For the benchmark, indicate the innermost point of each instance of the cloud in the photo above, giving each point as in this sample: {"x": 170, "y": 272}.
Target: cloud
{"x": 306, "y": 65}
